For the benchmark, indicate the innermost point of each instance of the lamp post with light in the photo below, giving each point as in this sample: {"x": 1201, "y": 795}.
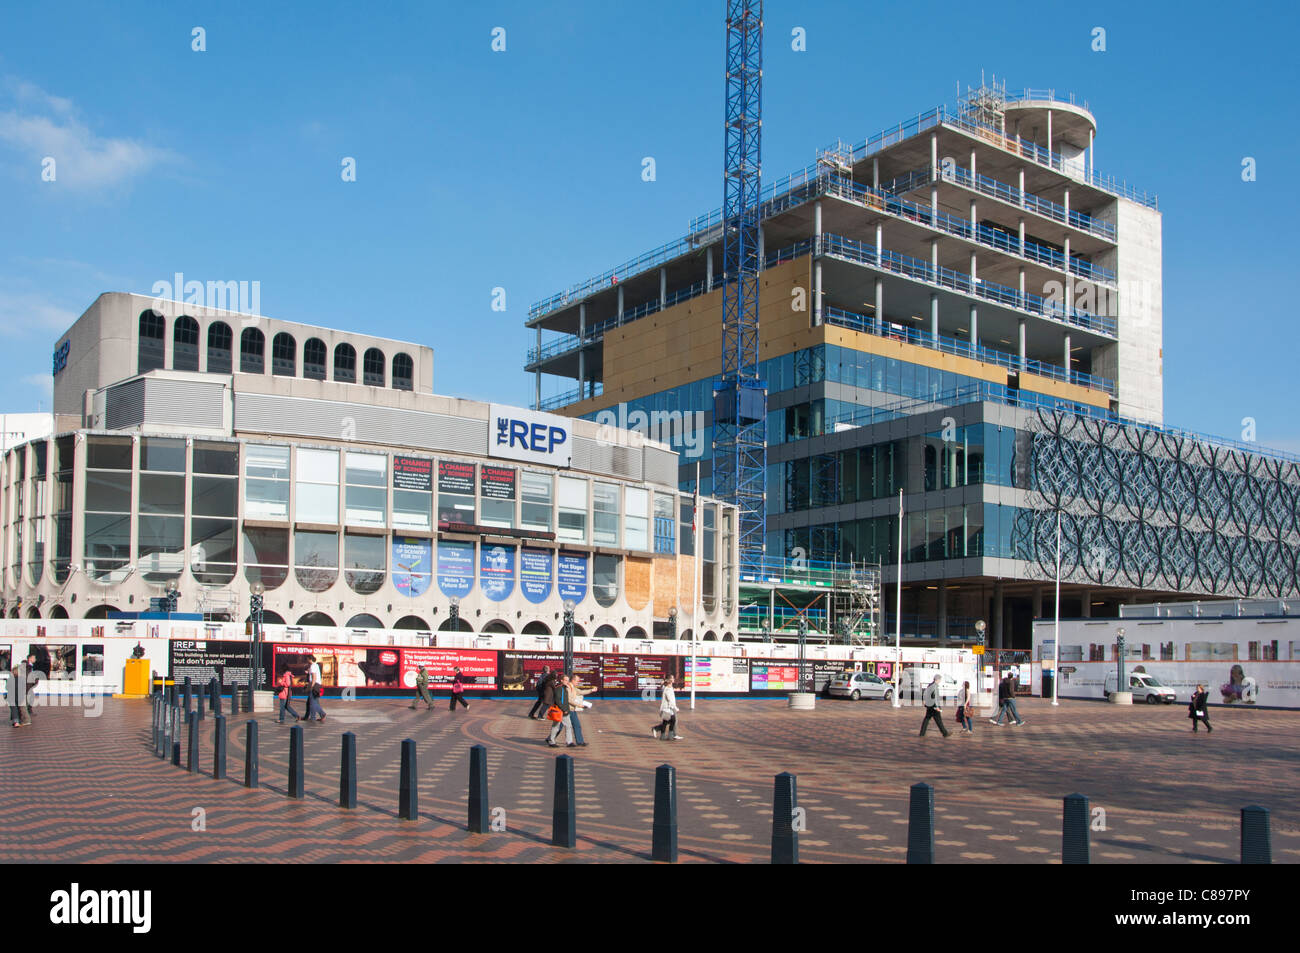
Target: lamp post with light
{"x": 256, "y": 602}
{"x": 672, "y": 623}
{"x": 569, "y": 606}
{"x": 1120, "y": 684}
{"x": 979, "y": 655}
{"x": 453, "y": 614}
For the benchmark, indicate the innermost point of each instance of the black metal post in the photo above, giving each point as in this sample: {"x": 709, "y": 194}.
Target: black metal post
{"x": 348, "y": 772}
{"x": 478, "y": 790}
{"x": 295, "y": 762}
{"x": 408, "y": 794}
{"x": 564, "y": 832}
{"x": 219, "y": 747}
{"x": 250, "y": 754}
{"x": 663, "y": 834}
{"x": 920, "y": 825}
{"x": 1074, "y": 831}
{"x": 785, "y": 836}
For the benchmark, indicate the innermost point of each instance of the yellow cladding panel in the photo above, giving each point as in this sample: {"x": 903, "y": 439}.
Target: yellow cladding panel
{"x": 915, "y": 354}
{"x": 1074, "y": 392}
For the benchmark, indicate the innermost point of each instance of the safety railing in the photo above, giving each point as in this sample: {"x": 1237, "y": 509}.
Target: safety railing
{"x": 778, "y": 569}
{"x": 959, "y": 348}
{"x": 610, "y": 278}
{"x": 569, "y": 397}
{"x": 847, "y": 249}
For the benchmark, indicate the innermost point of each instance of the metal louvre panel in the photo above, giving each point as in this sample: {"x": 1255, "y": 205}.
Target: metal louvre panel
{"x": 330, "y": 420}
{"x": 185, "y": 403}
{"x": 595, "y": 456}
{"x": 660, "y": 466}
{"x": 124, "y": 406}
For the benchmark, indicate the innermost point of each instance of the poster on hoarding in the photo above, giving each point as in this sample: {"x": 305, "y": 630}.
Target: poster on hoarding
{"x": 341, "y": 666}
{"x": 571, "y": 576}
{"x": 1234, "y": 684}
{"x": 618, "y": 672}
{"x": 535, "y": 566}
{"x": 455, "y": 567}
{"x": 497, "y": 483}
{"x": 57, "y": 662}
{"x": 412, "y": 565}
{"x": 412, "y": 473}
{"x": 226, "y": 661}
{"x": 651, "y": 670}
{"x": 714, "y": 674}
{"x": 772, "y": 677}
{"x": 478, "y": 667}
{"x": 456, "y": 478}
{"x": 522, "y": 671}
{"x": 497, "y": 571}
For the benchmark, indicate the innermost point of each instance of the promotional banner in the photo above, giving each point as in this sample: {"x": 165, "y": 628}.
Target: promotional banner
{"x": 571, "y": 576}
{"x": 1244, "y": 684}
{"x": 535, "y": 567}
{"x": 455, "y": 567}
{"x": 712, "y": 674}
{"x": 412, "y": 473}
{"x": 773, "y": 677}
{"x": 619, "y": 672}
{"x": 497, "y": 571}
{"x": 341, "y": 666}
{"x": 497, "y": 483}
{"x": 651, "y": 670}
{"x": 478, "y": 668}
{"x": 530, "y": 436}
{"x": 521, "y": 671}
{"x": 412, "y": 565}
{"x": 456, "y": 477}
{"x": 204, "y": 660}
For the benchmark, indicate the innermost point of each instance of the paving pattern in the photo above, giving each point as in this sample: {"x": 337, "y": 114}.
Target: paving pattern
{"x": 79, "y": 789}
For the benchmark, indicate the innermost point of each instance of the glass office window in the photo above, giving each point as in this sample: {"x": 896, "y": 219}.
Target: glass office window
{"x": 604, "y": 579}
{"x": 457, "y": 502}
{"x": 708, "y": 572}
{"x": 317, "y": 486}
{"x": 214, "y": 505}
{"x": 366, "y": 495}
{"x": 266, "y": 482}
{"x": 108, "y": 507}
{"x": 61, "y": 558}
{"x": 315, "y": 559}
{"x": 497, "y": 495}
{"x": 665, "y": 524}
{"x": 160, "y": 519}
{"x": 412, "y": 493}
{"x": 537, "y": 501}
{"x": 266, "y": 555}
{"x": 364, "y": 562}
{"x": 636, "y": 521}
{"x": 572, "y": 524}
{"x": 604, "y": 514}
{"x": 686, "y": 531}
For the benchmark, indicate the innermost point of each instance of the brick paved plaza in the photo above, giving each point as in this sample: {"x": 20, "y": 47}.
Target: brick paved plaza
{"x": 78, "y": 789}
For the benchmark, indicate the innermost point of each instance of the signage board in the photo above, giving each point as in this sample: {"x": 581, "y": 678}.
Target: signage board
{"x": 530, "y": 436}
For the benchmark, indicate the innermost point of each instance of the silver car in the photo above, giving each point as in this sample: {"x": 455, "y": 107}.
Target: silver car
{"x": 857, "y": 685}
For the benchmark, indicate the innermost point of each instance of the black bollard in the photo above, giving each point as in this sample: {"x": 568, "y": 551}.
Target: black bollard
{"x": 176, "y": 754}
{"x": 920, "y": 825}
{"x": 234, "y": 698}
{"x": 216, "y": 701}
{"x": 202, "y": 705}
{"x": 564, "y": 829}
{"x": 157, "y": 719}
{"x": 250, "y": 754}
{"x": 165, "y": 733}
{"x": 785, "y": 834}
{"x": 1074, "y": 830}
{"x": 478, "y": 790}
{"x": 192, "y": 762}
{"x": 219, "y": 747}
{"x": 295, "y": 761}
{"x": 663, "y": 835}
{"x": 1256, "y": 842}
{"x": 189, "y": 695}
{"x": 408, "y": 793}
{"x": 348, "y": 771}
{"x": 212, "y": 694}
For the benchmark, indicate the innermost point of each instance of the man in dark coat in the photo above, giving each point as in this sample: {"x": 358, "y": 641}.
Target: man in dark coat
{"x": 543, "y": 686}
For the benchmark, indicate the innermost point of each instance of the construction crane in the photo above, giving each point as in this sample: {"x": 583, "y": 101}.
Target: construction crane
{"x": 740, "y": 400}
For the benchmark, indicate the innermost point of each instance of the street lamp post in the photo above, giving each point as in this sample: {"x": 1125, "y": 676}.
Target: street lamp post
{"x": 569, "y": 606}
{"x": 255, "y": 609}
{"x": 1120, "y": 684}
{"x": 803, "y": 643}
{"x": 453, "y": 614}
{"x": 979, "y": 663}
{"x": 672, "y": 623}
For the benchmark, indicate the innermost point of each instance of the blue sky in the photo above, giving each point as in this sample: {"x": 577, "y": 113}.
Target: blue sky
{"x": 522, "y": 169}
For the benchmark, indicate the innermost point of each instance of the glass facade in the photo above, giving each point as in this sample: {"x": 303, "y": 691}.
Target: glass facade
{"x": 214, "y": 500}
{"x": 266, "y": 482}
{"x": 160, "y": 517}
{"x": 107, "y": 501}
{"x": 572, "y": 524}
{"x": 316, "y": 488}
{"x": 366, "y": 495}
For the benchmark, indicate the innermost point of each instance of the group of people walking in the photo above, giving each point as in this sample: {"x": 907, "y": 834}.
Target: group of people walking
{"x": 560, "y": 700}
{"x": 423, "y": 694}
{"x": 315, "y": 689}
{"x": 22, "y": 683}
{"x": 933, "y": 699}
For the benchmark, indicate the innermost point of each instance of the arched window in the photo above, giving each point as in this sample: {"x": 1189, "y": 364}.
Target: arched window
{"x": 373, "y": 367}
{"x": 252, "y": 352}
{"x": 152, "y": 348}
{"x": 536, "y": 628}
{"x": 220, "y": 342}
{"x": 313, "y": 359}
{"x": 185, "y": 344}
{"x": 284, "y": 355}
{"x": 315, "y": 618}
{"x": 345, "y": 364}
{"x": 403, "y": 372}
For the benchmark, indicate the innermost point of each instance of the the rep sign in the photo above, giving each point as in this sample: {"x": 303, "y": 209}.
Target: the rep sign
{"x": 518, "y": 434}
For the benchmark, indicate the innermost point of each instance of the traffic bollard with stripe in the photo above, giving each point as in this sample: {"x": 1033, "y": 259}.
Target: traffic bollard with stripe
{"x": 920, "y": 825}
{"x": 663, "y": 835}
{"x": 478, "y": 790}
{"x": 1074, "y": 830}
{"x": 785, "y": 836}
{"x": 408, "y": 793}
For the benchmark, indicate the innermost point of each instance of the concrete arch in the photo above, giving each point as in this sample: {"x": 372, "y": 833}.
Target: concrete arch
{"x": 412, "y": 622}
{"x": 94, "y": 612}
{"x": 636, "y": 632}
{"x": 710, "y": 636}
{"x": 536, "y": 628}
{"x": 315, "y": 618}
{"x": 498, "y": 627}
{"x": 606, "y": 632}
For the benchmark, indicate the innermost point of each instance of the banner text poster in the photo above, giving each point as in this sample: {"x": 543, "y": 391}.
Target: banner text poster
{"x": 618, "y": 672}
{"x": 496, "y": 483}
{"x": 718, "y": 674}
{"x": 412, "y": 473}
{"x": 651, "y": 670}
{"x": 822, "y": 672}
{"x": 522, "y": 671}
{"x": 767, "y": 677}
{"x": 341, "y": 666}
{"x": 478, "y": 667}
{"x": 412, "y": 565}
{"x": 535, "y": 569}
{"x": 455, "y": 477}
{"x": 497, "y": 571}
{"x": 203, "y": 660}
{"x": 455, "y": 567}
{"x": 571, "y": 576}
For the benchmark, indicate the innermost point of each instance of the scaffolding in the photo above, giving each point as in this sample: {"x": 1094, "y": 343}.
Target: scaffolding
{"x": 856, "y": 603}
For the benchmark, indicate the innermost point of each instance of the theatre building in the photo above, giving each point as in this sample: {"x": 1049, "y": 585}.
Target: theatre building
{"x": 207, "y": 456}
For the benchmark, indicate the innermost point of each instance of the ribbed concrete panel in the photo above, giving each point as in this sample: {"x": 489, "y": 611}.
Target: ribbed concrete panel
{"x": 660, "y": 466}
{"x": 124, "y": 406}
{"x": 598, "y": 457}
{"x": 266, "y": 413}
{"x": 184, "y": 403}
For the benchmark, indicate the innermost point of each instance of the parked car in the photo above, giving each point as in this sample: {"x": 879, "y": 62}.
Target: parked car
{"x": 857, "y": 685}
{"x": 1144, "y": 687}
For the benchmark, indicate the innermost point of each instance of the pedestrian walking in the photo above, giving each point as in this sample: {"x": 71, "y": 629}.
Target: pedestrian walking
{"x": 422, "y": 690}
{"x": 315, "y": 692}
{"x": 538, "y": 710}
{"x": 966, "y": 709}
{"x": 560, "y": 709}
{"x": 457, "y": 692}
{"x": 575, "y": 709}
{"x": 285, "y": 694}
{"x": 667, "y": 727}
{"x": 13, "y": 678}
{"x": 1198, "y": 709}
{"x": 31, "y": 679}
{"x": 933, "y": 699}
{"x": 1007, "y": 702}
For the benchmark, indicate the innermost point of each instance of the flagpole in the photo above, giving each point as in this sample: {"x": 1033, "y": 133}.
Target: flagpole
{"x": 898, "y": 615}
{"x": 699, "y": 556}
{"x": 1056, "y": 651}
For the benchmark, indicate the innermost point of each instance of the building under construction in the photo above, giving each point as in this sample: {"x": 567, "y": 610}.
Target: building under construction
{"x": 965, "y": 309}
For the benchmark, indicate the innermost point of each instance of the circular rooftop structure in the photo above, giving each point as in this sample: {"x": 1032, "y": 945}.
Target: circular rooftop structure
{"x": 1071, "y": 123}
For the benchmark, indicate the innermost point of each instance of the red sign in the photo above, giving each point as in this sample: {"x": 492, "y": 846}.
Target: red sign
{"x": 478, "y": 668}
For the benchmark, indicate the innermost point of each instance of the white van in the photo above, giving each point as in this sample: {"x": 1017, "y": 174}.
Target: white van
{"x": 1143, "y": 686}
{"x": 913, "y": 682}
